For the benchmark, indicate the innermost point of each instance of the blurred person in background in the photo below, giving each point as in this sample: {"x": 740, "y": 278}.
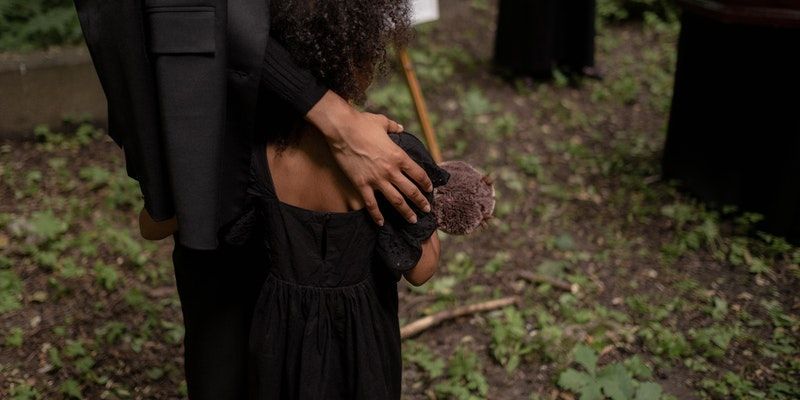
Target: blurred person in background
{"x": 535, "y": 37}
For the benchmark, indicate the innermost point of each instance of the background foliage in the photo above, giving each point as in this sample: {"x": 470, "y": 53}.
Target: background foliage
{"x": 36, "y": 24}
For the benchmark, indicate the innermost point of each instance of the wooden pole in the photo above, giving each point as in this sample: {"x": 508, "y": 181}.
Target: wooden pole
{"x": 419, "y": 104}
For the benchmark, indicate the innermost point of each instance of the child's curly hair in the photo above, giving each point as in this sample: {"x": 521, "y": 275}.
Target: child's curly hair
{"x": 342, "y": 42}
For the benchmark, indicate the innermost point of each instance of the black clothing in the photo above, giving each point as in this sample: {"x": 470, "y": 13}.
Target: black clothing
{"x": 535, "y": 36}
{"x": 218, "y": 291}
{"x": 182, "y": 79}
{"x": 296, "y": 86}
{"x": 325, "y": 324}
{"x": 218, "y": 288}
{"x": 734, "y": 134}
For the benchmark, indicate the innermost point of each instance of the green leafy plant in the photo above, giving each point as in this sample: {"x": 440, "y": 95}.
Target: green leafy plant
{"x": 421, "y": 355}
{"x": 36, "y": 24}
{"x": 46, "y": 226}
{"x": 14, "y": 337}
{"x": 664, "y": 342}
{"x": 71, "y": 389}
{"x": 465, "y": 379}
{"x": 10, "y": 291}
{"x": 461, "y": 265}
{"x": 474, "y": 104}
{"x": 24, "y": 391}
{"x": 613, "y": 381}
{"x": 106, "y": 276}
{"x": 510, "y": 338}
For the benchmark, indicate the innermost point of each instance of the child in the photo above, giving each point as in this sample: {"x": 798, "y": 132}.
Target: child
{"x": 325, "y": 325}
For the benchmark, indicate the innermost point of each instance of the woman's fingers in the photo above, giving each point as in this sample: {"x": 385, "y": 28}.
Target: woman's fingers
{"x": 371, "y": 204}
{"x": 394, "y": 127}
{"x": 417, "y": 174}
{"x": 389, "y": 125}
{"x": 410, "y": 190}
{"x": 398, "y": 202}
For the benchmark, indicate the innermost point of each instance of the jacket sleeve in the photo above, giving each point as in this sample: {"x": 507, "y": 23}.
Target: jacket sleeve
{"x": 292, "y": 83}
{"x": 116, "y": 40}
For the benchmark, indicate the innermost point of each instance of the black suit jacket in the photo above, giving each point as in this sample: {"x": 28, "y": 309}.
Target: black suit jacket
{"x": 182, "y": 78}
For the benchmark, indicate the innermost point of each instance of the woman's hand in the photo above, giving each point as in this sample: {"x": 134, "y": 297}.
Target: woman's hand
{"x": 151, "y": 229}
{"x": 369, "y": 157}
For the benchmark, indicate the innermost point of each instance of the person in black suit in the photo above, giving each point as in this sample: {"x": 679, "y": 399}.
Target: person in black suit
{"x": 182, "y": 79}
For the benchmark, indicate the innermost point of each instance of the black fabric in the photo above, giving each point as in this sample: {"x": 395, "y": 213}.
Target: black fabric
{"x": 114, "y": 33}
{"x": 399, "y": 241}
{"x": 325, "y": 324}
{"x": 218, "y": 291}
{"x": 535, "y": 36}
{"x": 297, "y": 87}
{"x": 734, "y": 134}
{"x": 182, "y": 79}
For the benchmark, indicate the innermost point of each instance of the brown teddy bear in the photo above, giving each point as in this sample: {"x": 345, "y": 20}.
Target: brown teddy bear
{"x": 466, "y": 202}
{"x": 463, "y": 197}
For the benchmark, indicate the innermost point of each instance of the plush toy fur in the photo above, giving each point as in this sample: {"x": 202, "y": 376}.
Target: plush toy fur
{"x": 466, "y": 202}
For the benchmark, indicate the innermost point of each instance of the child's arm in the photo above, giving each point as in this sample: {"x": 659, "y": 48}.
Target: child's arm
{"x": 427, "y": 264}
{"x": 152, "y": 230}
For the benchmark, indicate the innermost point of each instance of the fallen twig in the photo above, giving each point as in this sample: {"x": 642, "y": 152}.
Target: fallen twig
{"x": 425, "y": 323}
{"x": 556, "y": 283}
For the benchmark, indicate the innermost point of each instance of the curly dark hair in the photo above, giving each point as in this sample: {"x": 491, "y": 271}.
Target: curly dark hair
{"x": 342, "y": 42}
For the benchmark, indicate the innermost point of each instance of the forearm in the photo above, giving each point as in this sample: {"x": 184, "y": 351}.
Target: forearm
{"x": 427, "y": 264}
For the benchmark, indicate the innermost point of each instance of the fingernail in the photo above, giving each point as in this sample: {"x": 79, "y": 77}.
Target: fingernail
{"x": 427, "y": 208}
{"x": 414, "y": 219}
{"x": 401, "y": 127}
{"x": 380, "y": 222}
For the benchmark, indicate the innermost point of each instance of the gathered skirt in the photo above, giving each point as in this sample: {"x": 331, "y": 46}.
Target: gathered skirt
{"x": 310, "y": 342}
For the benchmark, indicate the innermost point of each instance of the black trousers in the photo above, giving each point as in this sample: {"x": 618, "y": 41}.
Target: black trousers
{"x": 535, "y": 36}
{"x": 218, "y": 290}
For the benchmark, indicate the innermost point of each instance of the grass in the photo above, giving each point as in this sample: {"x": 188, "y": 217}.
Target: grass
{"x": 675, "y": 299}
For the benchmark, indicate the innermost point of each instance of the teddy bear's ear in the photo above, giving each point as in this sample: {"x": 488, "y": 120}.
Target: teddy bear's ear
{"x": 466, "y": 202}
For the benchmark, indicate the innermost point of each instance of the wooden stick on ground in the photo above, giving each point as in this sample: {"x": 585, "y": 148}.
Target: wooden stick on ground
{"x": 419, "y": 103}
{"x": 430, "y": 321}
{"x": 556, "y": 283}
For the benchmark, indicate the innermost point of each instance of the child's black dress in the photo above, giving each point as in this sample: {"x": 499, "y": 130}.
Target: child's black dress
{"x": 325, "y": 325}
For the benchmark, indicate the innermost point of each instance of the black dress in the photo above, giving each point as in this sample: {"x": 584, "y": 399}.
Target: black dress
{"x": 325, "y": 325}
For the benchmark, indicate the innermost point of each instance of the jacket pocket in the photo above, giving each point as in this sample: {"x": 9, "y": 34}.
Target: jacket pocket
{"x": 181, "y": 30}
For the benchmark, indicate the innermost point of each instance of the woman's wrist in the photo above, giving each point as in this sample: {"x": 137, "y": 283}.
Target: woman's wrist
{"x": 330, "y": 115}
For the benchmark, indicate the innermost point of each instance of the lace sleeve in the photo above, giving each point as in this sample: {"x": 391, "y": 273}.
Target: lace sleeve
{"x": 399, "y": 242}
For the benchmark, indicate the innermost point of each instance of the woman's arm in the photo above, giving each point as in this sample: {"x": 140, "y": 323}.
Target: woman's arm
{"x": 152, "y": 230}
{"x": 357, "y": 139}
{"x": 371, "y": 160}
{"x": 427, "y": 264}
